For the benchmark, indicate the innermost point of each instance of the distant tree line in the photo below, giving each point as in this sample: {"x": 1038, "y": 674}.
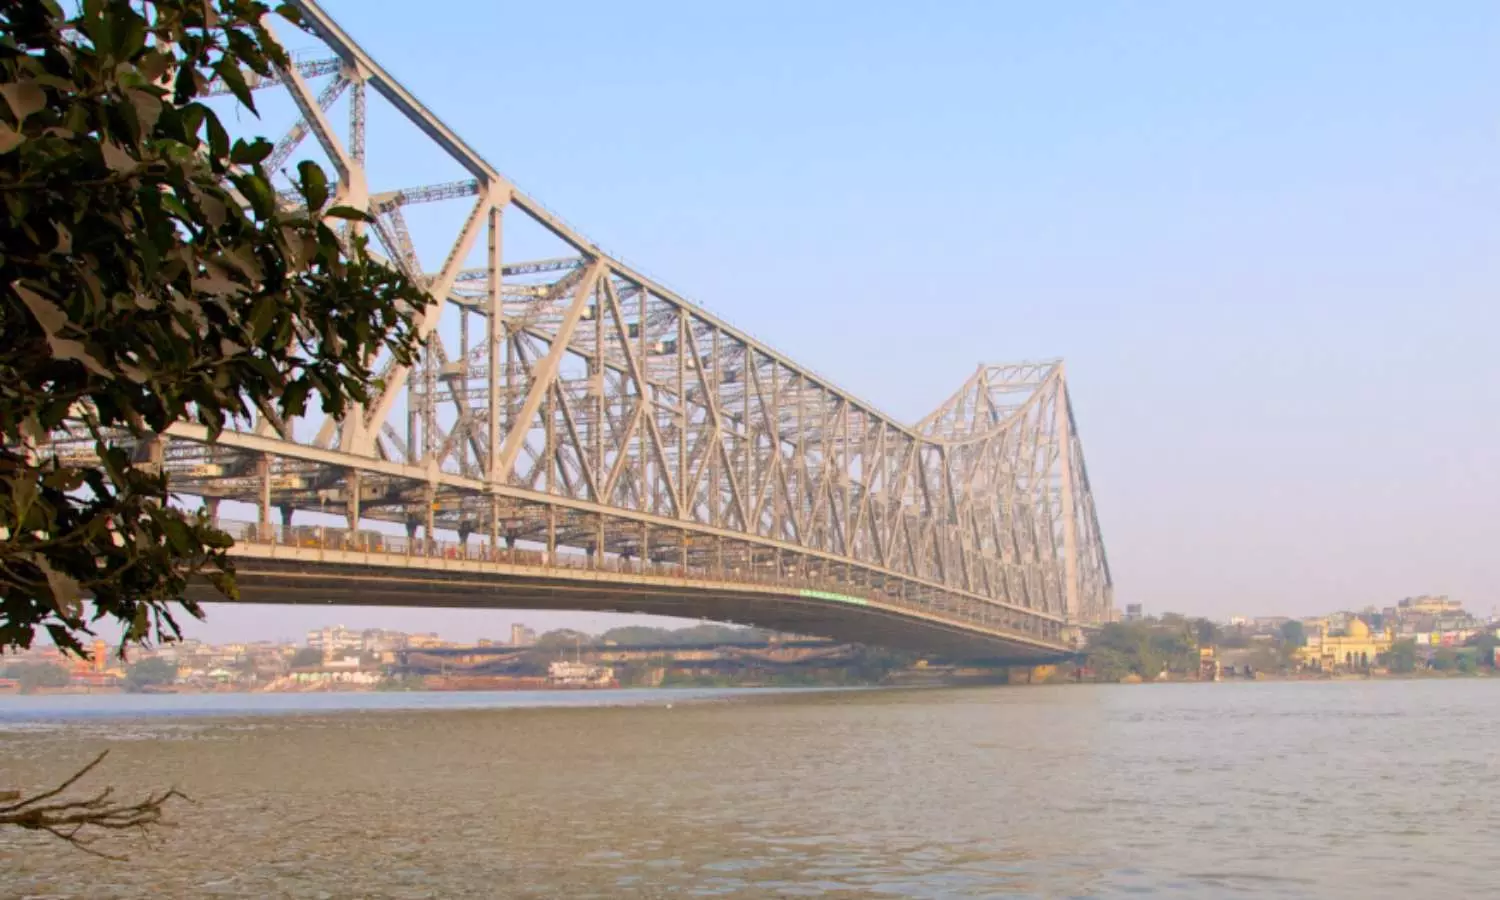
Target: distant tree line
{"x": 1147, "y": 648}
{"x": 34, "y": 676}
{"x": 1478, "y": 652}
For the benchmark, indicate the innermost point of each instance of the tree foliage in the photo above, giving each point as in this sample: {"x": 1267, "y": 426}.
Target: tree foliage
{"x": 150, "y": 672}
{"x": 151, "y": 277}
{"x": 1484, "y": 644}
{"x": 1145, "y": 648}
{"x": 33, "y": 675}
{"x": 1294, "y": 633}
{"x": 307, "y": 658}
{"x": 564, "y": 638}
{"x": 1402, "y": 657}
{"x": 1206, "y": 632}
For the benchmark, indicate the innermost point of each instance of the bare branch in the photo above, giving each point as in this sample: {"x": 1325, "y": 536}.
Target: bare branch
{"x": 69, "y": 820}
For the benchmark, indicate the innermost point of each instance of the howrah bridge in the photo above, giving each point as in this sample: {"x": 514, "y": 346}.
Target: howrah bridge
{"x": 575, "y": 435}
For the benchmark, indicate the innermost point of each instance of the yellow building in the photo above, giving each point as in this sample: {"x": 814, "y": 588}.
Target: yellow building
{"x": 1356, "y": 648}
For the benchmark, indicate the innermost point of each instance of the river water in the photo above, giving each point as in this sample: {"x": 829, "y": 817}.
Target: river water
{"x": 1347, "y": 789}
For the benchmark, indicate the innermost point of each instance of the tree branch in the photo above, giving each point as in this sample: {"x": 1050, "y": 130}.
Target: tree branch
{"x": 69, "y": 819}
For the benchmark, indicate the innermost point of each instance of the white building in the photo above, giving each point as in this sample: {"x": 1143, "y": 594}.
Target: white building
{"x": 335, "y": 640}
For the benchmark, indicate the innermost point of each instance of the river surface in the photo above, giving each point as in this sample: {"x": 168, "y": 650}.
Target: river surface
{"x": 1347, "y": 789}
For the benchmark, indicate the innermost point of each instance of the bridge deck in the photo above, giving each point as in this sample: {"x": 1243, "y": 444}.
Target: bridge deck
{"x": 444, "y": 574}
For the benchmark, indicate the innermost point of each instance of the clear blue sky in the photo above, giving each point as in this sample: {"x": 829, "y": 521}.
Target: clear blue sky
{"x": 1265, "y": 236}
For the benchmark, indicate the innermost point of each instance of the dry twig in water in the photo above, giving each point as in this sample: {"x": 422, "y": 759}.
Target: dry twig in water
{"x": 71, "y": 819}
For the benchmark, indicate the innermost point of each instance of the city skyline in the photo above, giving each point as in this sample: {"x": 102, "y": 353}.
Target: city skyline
{"x": 229, "y": 623}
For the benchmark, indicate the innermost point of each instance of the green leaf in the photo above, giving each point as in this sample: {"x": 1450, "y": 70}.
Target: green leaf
{"x": 258, "y": 191}
{"x": 117, "y": 157}
{"x": 177, "y": 533}
{"x": 250, "y": 154}
{"x": 229, "y": 72}
{"x": 67, "y": 593}
{"x": 25, "y": 98}
{"x": 218, "y": 138}
{"x": 348, "y": 212}
{"x": 262, "y": 316}
{"x": 47, "y": 314}
{"x": 313, "y": 185}
{"x": 10, "y": 139}
{"x": 148, "y": 108}
{"x": 294, "y": 398}
{"x": 23, "y": 494}
{"x": 224, "y": 582}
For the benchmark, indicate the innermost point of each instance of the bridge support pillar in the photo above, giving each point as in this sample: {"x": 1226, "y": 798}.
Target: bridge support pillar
{"x": 211, "y": 506}
{"x": 427, "y": 531}
{"x": 263, "y": 506}
{"x": 551, "y": 535}
{"x": 353, "y": 514}
{"x": 494, "y": 518}
{"x": 286, "y": 510}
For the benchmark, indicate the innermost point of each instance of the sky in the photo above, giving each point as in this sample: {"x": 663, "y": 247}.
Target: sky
{"x": 1265, "y": 237}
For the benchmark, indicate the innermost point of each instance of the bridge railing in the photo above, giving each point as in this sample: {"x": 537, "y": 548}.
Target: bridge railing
{"x": 323, "y": 538}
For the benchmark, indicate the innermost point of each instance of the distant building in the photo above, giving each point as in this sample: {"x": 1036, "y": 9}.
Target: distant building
{"x": 521, "y": 636}
{"x": 335, "y": 676}
{"x": 579, "y": 674}
{"x": 1268, "y": 624}
{"x": 1355, "y": 648}
{"x": 379, "y": 640}
{"x": 1133, "y": 612}
{"x": 335, "y": 640}
{"x": 1429, "y": 606}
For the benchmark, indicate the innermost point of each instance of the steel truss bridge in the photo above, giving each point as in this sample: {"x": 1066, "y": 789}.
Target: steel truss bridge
{"x": 578, "y": 436}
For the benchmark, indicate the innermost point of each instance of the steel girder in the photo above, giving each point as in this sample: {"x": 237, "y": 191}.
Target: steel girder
{"x": 588, "y": 408}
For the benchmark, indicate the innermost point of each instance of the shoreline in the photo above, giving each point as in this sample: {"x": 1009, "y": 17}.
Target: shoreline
{"x": 35, "y": 710}
{"x": 895, "y": 684}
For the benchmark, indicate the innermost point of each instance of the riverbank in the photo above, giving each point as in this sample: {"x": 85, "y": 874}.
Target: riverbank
{"x": 1061, "y": 678}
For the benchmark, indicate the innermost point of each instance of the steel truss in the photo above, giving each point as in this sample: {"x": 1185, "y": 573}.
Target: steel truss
{"x": 588, "y": 410}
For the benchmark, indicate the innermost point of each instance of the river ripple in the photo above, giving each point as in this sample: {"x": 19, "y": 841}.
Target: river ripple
{"x": 1383, "y": 789}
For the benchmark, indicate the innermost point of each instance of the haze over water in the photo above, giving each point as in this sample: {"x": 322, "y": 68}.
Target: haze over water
{"x": 1273, "y": 789}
